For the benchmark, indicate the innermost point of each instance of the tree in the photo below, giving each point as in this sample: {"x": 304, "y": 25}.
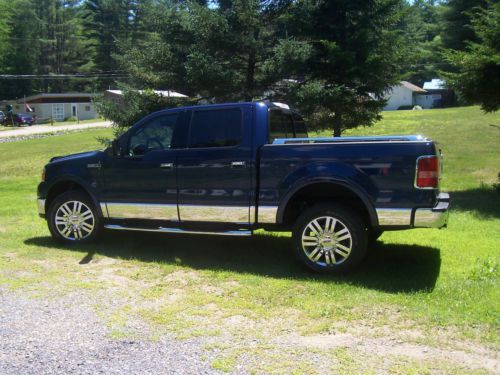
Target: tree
{"x": 217, "y": 51}
{"x": 343, "y": 55}
{"x": 478, "y": 66}
{"x": 456, "y": 17}
{"x": 106, "y": 23}
{"x": 21, "y": 46}
{"x": 422, "y": 41}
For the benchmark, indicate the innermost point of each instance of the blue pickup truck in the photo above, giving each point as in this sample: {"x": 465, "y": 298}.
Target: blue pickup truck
{"x": 229, "y": 169}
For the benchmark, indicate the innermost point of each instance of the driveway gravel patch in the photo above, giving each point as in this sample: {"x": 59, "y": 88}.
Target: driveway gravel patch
{"x": 65, "y": 336}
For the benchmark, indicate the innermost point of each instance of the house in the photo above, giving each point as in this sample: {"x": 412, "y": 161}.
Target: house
{"x": 406, "y": 95}
{"x": 436, "y": 87}
{"x": 116, "y": 96}
{"x": 59, "y": 107}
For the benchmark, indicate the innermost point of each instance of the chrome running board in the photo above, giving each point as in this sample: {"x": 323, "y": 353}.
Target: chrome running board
{"x": 181, "y": 231}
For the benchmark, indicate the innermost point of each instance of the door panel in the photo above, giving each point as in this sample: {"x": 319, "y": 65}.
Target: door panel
{"x": 215, "y": 173}
{"x": 142, "y": 183}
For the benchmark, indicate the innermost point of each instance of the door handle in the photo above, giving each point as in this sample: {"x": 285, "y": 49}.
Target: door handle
{"x": 238, "y": 164}
{"x": 167, "y": 165}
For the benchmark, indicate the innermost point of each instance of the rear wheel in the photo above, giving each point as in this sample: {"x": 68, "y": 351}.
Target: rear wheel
{"x": 330, "y": 238}
{"x": 73, "y": 218}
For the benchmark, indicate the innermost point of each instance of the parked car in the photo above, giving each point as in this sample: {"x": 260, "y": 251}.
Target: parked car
{"x": 23, "y": 119}
{"x": 2, "y": 118}
{"x": 229, "y": 169}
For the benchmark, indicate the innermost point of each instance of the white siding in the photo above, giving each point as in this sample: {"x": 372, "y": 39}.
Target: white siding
{"x": 399, "y": 96}
{"x": 426, "y": 101}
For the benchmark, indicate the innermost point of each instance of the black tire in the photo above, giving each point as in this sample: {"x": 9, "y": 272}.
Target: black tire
{"x": 339, "y": 249}
{"x": 79, "y": 223}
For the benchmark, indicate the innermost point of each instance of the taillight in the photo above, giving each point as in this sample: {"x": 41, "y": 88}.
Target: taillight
{"x": 427, "y": 175}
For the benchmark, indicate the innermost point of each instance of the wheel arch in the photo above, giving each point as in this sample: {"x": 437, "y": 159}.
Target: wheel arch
{"x": 65, "y": 184}
{"x": 319, "y": 190}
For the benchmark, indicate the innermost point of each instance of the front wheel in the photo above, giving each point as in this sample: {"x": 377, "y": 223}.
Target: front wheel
{"x": 330, "y": 238}
{"x": 72, "y": 218}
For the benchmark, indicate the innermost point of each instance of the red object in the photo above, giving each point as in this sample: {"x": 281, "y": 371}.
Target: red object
{"x": 427, "y": 172}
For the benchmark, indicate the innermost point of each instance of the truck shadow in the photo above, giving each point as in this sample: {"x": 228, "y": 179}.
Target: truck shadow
{"x": 390, "y": 268}
{"x": 483, "y": 201}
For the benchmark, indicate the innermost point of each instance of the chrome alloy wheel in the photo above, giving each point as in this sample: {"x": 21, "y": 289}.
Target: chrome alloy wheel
{"x": 326, "y": 241}
{"x": 74, "y": 220}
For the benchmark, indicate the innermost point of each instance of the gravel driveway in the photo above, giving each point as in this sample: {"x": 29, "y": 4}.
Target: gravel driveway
{"x": 65, "y": 336}
{"x": 44, "y": 129}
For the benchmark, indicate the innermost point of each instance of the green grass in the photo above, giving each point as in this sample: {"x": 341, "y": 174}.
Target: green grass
{"x": 437, "y": 288}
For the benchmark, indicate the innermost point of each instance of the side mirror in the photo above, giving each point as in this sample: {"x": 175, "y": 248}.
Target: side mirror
{"x": 116, "y": 147}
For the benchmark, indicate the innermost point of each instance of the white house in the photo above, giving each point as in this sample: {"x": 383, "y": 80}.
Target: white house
{"x": 407, "y": 94}
{"x": 59, "y": 107}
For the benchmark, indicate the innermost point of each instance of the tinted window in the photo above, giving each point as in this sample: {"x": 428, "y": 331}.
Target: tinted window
{"x": 217, "y": 128}
{"x": 156, "y": 134}
{"x": 280, "y": 125}
{"x": 300, "y": 126}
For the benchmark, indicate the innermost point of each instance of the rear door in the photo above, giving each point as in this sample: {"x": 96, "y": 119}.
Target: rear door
{"x": 214, "y": 173}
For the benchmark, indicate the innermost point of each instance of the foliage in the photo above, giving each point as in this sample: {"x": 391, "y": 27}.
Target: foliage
{"x": 134, "y": 106}
{"x": 456, "y": 20}
{"x": 478, "y": 66}
{"x": 344, "y": 57}
{"x": 420, "y": 28}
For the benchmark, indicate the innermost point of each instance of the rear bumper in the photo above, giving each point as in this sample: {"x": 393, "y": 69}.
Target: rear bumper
{"x": 436, "y": 217}
{"x": 406, "y": 218}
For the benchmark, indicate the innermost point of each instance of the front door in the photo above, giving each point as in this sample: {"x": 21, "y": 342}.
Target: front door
{"x": 141, "y": 184}
{"x": 215, "y": 171}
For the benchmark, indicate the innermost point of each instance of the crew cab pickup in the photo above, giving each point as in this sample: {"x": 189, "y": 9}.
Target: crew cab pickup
{"x": 229, "y": 169}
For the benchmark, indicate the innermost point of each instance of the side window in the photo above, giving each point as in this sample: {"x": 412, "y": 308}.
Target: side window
{"x": 156, "y": 134}
{"x": 215, "y": 128}
{"x": 300, "y": 126}
{"x": 280, "y": 125}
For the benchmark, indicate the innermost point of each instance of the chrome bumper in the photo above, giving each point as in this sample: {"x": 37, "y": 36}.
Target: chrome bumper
{"x": 436, "y": 217}
{"x": 41, "y": 206}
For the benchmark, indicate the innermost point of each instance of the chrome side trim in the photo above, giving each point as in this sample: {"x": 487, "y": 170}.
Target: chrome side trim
{"x": 267, "y": 214}
{"x": 142, "y": 211}
{"x": 104, "y": 209}
{"x": 41, "y": 206}
{"x": 217, "y": 214}
{"x": 181, "y": 231}
{"x": 252, "y": 214}
{"x": 394, "y": 216}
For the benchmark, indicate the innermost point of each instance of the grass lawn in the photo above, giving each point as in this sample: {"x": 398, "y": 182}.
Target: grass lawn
{"x": 424, "y": 301}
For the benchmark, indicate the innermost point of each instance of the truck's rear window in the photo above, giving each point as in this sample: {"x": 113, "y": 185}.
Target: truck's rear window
{"x": 283, "y": 124}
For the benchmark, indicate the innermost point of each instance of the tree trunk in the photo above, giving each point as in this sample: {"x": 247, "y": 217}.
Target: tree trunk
{"x": 337, "y": 124}
{"x": 250, "y": 77}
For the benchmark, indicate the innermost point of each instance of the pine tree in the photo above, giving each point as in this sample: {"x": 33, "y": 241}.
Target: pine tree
{"x": 344, "y": 55}
{"x": 478, "y": 66}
